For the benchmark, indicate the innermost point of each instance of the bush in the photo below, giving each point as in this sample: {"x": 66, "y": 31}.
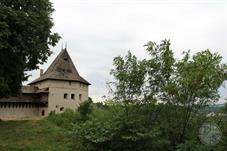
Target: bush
{"x": 192, "y": 145}
{"x": 85, "y": 108}
{"x": 65, "y": 119}
{"x": 105, "y": 130}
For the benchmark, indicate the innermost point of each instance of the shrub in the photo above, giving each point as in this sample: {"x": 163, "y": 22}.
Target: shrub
{"x": 65, "y": 119}
{"x": 85, "y": 108}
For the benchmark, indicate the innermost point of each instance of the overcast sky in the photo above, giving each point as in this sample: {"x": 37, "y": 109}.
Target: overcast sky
{"x": 98, "y": 30}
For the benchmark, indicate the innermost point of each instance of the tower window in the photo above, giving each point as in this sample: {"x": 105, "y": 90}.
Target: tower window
{"x": 65, "y": 96}
{"x": 62, "y": 108}
{"x": 80, "y": 97}
{"x": 73, "y": 96}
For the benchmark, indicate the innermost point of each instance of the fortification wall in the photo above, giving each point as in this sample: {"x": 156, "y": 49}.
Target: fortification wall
{"x": 13, "y": 112}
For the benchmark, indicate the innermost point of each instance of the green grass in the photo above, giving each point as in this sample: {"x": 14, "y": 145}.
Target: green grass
{"x": 39, "y": 135}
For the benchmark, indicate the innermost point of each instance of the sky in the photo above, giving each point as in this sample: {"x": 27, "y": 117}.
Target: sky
{"x": 96, "y": 31}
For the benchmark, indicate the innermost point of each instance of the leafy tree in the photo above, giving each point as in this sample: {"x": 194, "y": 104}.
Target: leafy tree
{"x": 129, "y": 75}
{"x": 25, "y": 37}
{"x": 183, "y": 86}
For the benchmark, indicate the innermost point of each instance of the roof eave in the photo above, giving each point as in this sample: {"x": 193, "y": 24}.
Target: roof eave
{"x": 33, "y": 82}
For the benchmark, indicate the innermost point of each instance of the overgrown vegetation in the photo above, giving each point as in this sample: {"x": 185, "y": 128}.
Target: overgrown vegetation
{"x": 106, "y": 128}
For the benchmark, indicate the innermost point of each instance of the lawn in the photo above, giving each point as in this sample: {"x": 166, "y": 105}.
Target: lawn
{"x": 38, "y": 135}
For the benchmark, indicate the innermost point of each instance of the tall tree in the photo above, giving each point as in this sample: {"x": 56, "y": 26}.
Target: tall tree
{"x": 25, "y": 37}
{"x": 183, "y": 86}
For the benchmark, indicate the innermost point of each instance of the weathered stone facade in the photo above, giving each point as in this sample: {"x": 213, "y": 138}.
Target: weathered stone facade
{"x": 60, "y": 87}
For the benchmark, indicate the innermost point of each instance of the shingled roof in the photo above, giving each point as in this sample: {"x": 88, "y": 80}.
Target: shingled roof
{"x": 62, "y": 68}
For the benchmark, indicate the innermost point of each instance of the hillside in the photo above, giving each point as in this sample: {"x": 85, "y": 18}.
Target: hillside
{"x": 32, "y": 136}
{"x": 98, "y": 127}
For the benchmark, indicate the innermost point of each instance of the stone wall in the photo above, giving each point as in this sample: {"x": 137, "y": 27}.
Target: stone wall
{"x": 10, "y": 111}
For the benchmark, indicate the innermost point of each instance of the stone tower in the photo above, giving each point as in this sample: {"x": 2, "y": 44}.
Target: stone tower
{"x": 67, "y": 89}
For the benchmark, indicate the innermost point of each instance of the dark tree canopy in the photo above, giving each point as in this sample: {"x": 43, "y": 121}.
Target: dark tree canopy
{"x": 25, "y": 37}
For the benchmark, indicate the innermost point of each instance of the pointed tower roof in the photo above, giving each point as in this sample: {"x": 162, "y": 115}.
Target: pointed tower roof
{"x": 62, "y": 68}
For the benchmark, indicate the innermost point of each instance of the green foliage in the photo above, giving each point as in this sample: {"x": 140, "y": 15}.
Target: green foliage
{"x": 129, "y": 74}
{"x": 65, "y": 119}
{"x": 184, "y": 86}
{"x": 192, "y": 145}
{"x": 159, "y": 66}
{"x": 25, "y": 37}
{"x": 201, "y": 75}
{"x": 224, "y": 109}
{"x": 223, "y": 126}
{"x": 109, "y": 128}
{"x": 85, "y": 108}
{"x": 96, "y": 129}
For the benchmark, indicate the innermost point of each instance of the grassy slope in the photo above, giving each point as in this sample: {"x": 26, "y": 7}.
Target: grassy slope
{"x": 32, "y": 136}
